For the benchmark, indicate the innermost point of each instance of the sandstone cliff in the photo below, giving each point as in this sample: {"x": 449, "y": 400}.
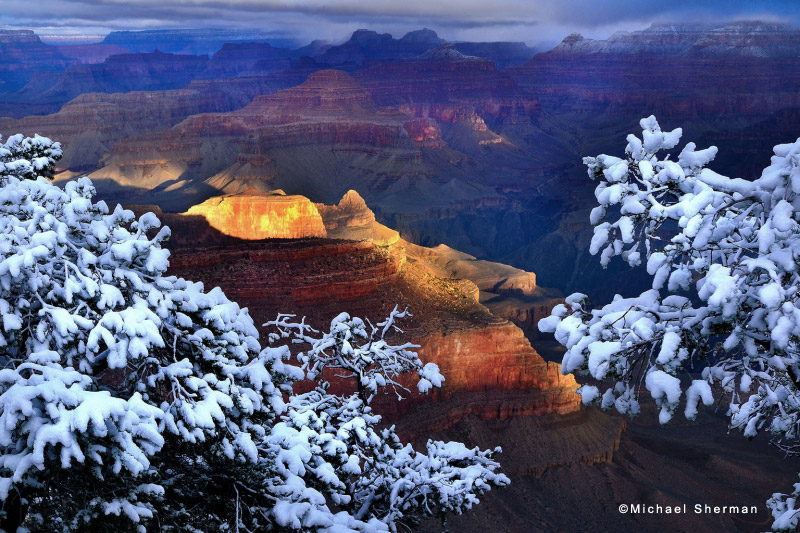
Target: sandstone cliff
{"x": 476, "y": 351}
{"x": 261, "y": 216}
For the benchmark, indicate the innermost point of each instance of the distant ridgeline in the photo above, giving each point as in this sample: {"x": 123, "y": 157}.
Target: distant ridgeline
{"x": 474, "y": 145}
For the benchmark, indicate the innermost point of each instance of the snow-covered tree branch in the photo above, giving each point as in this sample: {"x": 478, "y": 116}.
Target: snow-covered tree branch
{"x": 722, "y": 317}
{"x": 367, "y": 470}
{"x": 28, "y": 157}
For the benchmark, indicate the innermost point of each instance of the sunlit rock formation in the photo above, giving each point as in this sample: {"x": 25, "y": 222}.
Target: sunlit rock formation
{"x": 509, "y": 292}
{"x": 477, "y": 351}
{"x": 351, "y": 219}
{"x": 261, "y": 216}
{"x": 367, "y": 268}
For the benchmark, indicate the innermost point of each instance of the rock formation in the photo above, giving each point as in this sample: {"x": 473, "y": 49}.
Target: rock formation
{"x": 23, "y": 55}
{"x": 439, "y": 75}
{"x": 292, "y": 139}
{"x": 368, "y": 268}
{"x": 89, "y": 125}
{"x": 506, "y": 291}
{"x": 260, "y": 216}
{"x": 365, "y": 45}
{"x": 477, "y": 351}
{"x": 351, "y": 219}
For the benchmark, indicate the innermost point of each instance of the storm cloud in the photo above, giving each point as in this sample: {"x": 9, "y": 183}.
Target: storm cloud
{"x": 530, "y": 21}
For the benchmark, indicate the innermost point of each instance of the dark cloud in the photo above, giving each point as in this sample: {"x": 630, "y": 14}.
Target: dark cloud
{"x": 526, "y": 20}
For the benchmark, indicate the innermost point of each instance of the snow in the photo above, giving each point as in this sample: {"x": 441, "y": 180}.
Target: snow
{"x": 669, "y": 347}
{"x": 665, "y": 390}
{"x": 698, "y": 391}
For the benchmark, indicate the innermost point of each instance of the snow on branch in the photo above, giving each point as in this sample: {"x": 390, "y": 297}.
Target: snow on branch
{"x": 361, "y": 350}
{"x": 722, "y": 253}
{"x": 364, "y": 466}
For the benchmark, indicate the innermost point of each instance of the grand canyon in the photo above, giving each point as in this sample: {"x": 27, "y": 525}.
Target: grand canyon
{"x": 444, "y": 177}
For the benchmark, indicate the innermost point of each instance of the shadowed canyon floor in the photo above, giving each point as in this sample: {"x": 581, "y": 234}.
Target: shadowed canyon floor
{"x": 686, "y": 463}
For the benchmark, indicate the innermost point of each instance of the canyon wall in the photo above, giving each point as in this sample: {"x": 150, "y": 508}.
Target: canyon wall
{"x": 23, "y": 55}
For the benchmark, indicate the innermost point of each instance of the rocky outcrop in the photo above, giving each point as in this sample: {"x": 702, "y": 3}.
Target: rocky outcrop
{"x": 365, "y": 45}
{"x": 476, "y": 351}
{"x": 508, "y": 292}
{"x": 23, "y": 55}
{"x": 261, "y": 216}
{"x": 368, "y": 273}
{"x": 445, "y": 262}
{"x": 498, "y": 357}
{"x": 351, "y": 219}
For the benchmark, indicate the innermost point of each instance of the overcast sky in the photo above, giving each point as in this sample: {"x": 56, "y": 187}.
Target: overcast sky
{"x": 532, "y": 21}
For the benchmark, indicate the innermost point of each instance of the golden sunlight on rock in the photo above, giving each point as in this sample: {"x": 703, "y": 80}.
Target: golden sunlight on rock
{"x": 258, "y": 216}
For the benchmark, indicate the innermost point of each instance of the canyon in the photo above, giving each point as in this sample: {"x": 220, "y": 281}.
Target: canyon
{"x": 442, "y": 176}
{"x": 320, "y": 139}
{"x": 484, "y": 159}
